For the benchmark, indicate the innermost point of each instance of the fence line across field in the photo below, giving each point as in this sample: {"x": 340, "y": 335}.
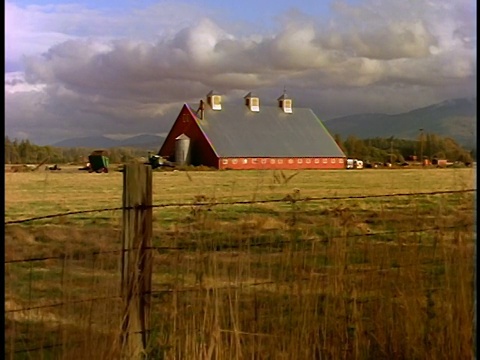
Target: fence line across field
{"x": 287, "y": 199}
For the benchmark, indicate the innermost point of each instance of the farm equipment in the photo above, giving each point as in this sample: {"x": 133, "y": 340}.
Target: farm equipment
{"x": 54, "y": 168}
{"x": 97, "y": 162}
{"x": 157, "y": 161}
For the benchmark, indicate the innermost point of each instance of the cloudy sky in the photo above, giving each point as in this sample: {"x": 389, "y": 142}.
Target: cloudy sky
{"x": 119, "y": 67}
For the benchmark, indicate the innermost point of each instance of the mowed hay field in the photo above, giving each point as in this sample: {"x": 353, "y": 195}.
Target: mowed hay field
{"x": 329, "y": 271}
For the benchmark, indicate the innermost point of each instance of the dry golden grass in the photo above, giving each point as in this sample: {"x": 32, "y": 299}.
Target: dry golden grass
{"x": 44, "y": 192}
{"x": 381, "y": 278}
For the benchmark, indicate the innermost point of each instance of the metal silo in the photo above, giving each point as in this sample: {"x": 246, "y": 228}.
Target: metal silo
{"x": 182, "y": 150}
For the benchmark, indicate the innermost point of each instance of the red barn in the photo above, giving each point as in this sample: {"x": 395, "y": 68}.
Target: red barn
{"x": 250, "y": 136}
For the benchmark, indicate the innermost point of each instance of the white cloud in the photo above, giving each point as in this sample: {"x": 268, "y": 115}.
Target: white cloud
{"x": 15, "y": 83}
{"x": 388, "y": 54}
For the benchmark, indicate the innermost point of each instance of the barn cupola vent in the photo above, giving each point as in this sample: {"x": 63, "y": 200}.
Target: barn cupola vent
{"x": 214, "y": 100}
{"x": 252, "y": 101}
{"x": 285, "y": 103}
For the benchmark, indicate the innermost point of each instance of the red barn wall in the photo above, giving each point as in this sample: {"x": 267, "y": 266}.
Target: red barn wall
{"x": 281, "y": 163}
{"x": 201, "y": 153}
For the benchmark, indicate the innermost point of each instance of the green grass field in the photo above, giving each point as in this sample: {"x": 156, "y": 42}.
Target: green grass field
{"x": 346, "y": 278}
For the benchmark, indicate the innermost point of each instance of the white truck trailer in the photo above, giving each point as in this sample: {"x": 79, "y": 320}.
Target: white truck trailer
{"x": 354, "y": 164}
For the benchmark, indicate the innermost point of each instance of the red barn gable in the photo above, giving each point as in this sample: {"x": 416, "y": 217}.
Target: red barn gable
{"x": 251, "y": 136}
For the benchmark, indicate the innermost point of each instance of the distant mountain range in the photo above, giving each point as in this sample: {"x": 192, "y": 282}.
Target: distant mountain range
{"x": 456, "y": 118}
{"x": 145, "y": 141}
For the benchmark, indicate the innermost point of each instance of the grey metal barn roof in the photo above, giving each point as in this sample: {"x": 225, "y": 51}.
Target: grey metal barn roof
{"x": 235, "y": 131}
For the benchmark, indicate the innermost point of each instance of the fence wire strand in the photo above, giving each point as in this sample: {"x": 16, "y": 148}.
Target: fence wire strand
{"x": 62, "y": 303}
{"x": 157, "y": 292}
{"x": 199, "y": 288}
{"x": 195, "y": 246}
{"x": 45, "y": 347}
{"x": 287, "y": 199}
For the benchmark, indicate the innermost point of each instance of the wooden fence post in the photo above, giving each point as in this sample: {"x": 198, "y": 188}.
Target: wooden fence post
{"x": 136, "y": 259}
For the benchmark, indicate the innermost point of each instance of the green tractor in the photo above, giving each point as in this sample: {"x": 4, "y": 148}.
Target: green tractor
{"x": 98, "y": 162}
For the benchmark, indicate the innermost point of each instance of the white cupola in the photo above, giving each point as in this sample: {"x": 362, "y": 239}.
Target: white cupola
{"x": 285, "y": 103}
{"x": 214, "y": 100}
{"x": 252, "y": 101}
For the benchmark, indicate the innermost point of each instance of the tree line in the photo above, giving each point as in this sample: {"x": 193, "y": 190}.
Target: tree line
{"x": 427, "y": 146}
{"x": 376, "y": 149}
{"x": 24, "y": 152}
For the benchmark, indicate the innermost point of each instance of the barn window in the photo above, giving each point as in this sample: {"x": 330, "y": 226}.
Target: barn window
{"x": 290, "y": 161}
{"x": 333, "y": 161}
{"x": 272, "y": 161}
{"x": 308, "y": 161}
{"x": 299, "y": 161}
{"x": 254, "y": 161}
{"x": 340, "y": 161}
{"x": 225, "y": 161}
{"x": 264, "y": 161}
{"x": 245, "y": 161}
{"x": 317, "y": 161}
{"x": 280, "y": 161}
{"x": 234, "y": 161}
{"x": 325, "y": 161}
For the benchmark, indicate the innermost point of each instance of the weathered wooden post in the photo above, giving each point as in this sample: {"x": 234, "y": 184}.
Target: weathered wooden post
{"x": 136, "y": 259}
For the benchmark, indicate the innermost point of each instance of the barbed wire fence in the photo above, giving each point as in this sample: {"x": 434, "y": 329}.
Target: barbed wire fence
{"x": 287, "y": 199}
{"x": 144, "y": 206}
